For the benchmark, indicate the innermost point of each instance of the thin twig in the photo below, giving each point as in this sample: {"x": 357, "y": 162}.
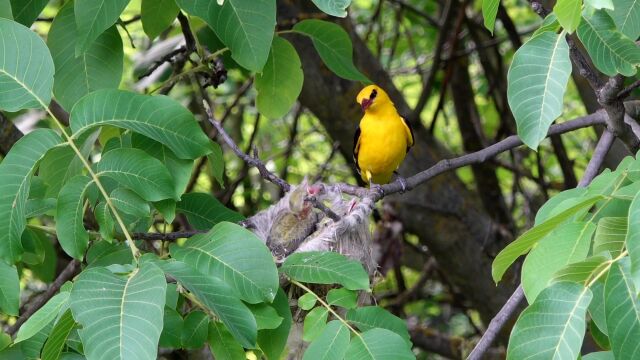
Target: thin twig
{"x": 67, "y": 274}
{"x": 601, "y": 150}
{"x": 627, "y": 91}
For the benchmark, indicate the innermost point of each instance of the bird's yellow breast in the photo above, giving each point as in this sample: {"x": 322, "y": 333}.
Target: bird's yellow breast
{"x": 382, "y": 146}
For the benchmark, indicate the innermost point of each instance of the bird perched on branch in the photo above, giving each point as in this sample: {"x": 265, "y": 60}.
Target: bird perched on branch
{"x": 383, "y": 138}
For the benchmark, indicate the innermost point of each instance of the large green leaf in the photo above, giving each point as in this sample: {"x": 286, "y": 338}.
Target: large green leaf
{"x": 521, "y": 245}
{"x": 158, "y": 117}
{"x": 26, "y": 11}
{"x": 43, "y": 317}
{"x": 569, "y": 243}
{"x": 171, "y": 335}
{"x": 72, "y": 235}
{"x": 600, "y": 355}
{"x": 129, "y": 202}
{"x": 489, "y": 13}
{"x": 558, "y": 313}
{"x": 537, "y": 79}
{"x": 568, "y": 13}
{"x": 99, "y": 67}
{"x": 6, "y": 12}
{"x": 217, "y": 297}
{"x": 205, "y": 211}
{"x": 597, "y": 307}
{"x": 121, "y": 317}
{"x": 9, "y": 289}
{"x": 56, "y": 342}
{"x": 251, "y": 273}
{"x": 195, "y": 330}
{"x": 583, "y": 271}
{"x": 26, "y": 68}
{"x": 333, "y": 46}
{"x": 326, "y": 268}
{"x": 622, "y": 311}
{"x": 245, "y": 26}
{"x": 610, "y": 51}
{"x": 632, "y": 240}
{"x": 138, "y": 171}
{"x": 272, "y": 342}
{"x": 15, "y": 175}
{"x": 93, "y": 17}
{"x": 266, "y": 316}
{"x": 610, "y": 235}
{"x": 379, "y": 344}
{"x": 280, "y": 82}
{"x": 347, "y": 299}
{"x": 626, "y": 14}
{"x": 157, "y": 16}
{"x": 331, "y": 344}
{"x": 559, "y": 203}
{"x": 314, "y": 323}
{"x": 370, "y": 317}
{"x": 333, "y": 7}
{"x": 223, "y": 345}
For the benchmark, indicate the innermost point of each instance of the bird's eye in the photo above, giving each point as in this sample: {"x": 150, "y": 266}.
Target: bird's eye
{"x": 374, "y": 93}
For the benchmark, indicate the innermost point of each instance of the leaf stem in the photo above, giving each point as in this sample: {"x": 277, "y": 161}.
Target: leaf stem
{"x": 319, "y": 299}
{"x": 69, "y": 140}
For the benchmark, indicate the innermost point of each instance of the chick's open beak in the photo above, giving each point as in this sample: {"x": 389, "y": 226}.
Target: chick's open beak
{"x": 366, "y": 103}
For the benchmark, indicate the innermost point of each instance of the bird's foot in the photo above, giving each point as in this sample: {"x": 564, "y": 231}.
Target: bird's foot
{"x": 376, "y": 187}
{"x": 402, "y": 181}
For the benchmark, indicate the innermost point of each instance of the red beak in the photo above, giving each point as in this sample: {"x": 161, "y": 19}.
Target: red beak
{"x": 366, "y": 103}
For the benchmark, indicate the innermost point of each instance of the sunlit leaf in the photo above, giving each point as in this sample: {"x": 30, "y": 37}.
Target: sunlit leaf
{"x": 622, "y": 311}
{"x": 43, "y": 317}
{"x": 333, "y": 7}
{"x": 326, "y": 268}
{"x": 568, "y": 13}
{"x": 610, "y": 236}
{"x": 489, "y": 12}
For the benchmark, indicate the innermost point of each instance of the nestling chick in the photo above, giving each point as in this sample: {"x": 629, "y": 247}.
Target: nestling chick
{"x": 383, "y": 138}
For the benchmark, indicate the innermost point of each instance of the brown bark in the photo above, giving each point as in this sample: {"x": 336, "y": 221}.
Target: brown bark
{"x": 446, "y": 216}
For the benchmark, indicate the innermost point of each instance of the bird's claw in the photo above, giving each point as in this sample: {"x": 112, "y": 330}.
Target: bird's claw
{"x": 377, "y": 188}
{"x": 403, "y": 183}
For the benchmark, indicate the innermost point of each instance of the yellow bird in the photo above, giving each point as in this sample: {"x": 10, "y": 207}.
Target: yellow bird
{"x": 383, "y": 138}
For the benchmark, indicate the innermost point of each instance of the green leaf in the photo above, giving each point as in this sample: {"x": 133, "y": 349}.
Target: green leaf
{"x": 332, "y": 343}
{"x": 333, "y": 46}
{"x": 15, "y": 174}
{"x": 222, "y": 344}
{"x": 9, "y": 289}
{"x": 32, "y": 347}
{"x": 138, "y": 171}
{"x": 72, "y": 235}
{"x": 626, "y": 15}
{"x": 559, "y": 203}
{"x": 568, "y": 13}
{"x": 251, "y": 273}
{"x": 307, "y": 301}
{"x": 600, "y": 339}
{"x": 5, "y": 340}
{"x": 583, "y": 271}
{"x": 157, "y": 16}
{"x": 600, "y": 4}
{"x": 43, "y": 317}
{"x": 216, "y": 163}
{"x": 521, "y": 245}
{"x": 280, "y": 82}
{"x": 558, "y": 313}
{"x": 129, "y": 202}
{"x": 333, "y": 7}
{"x": 158, "y": 117}
{"x": 217, "y": 297}
{"x": 104, "y": 254}
{"x": 180, "y": 169}
{"x": 537, "y": 80}
{"x": 55, "y": 343}
{"x": 39, "y": 207}
{"x": 610, "y": 51}
{"x": 171, "y": 335}
{"x": 245, "y": 26}
{"x": 610, "y": 235}
{"x": 99, "y": 67}
{"x": 550, "y": 23}
{"x": 601, "y": 355}
{"x": 105, "y": 221}
{"x": 314, "y": 323}
{"x": 632, "y": 241}
{"x": 93, "y": 17}
{"x": 379, "y": 344}
{"x": 622, "y": 311}
{"x": 568, "y": 243}
{"x": 32, "y": 245}
{"x": 597, "y": 307}
{"x": 121, "y": 317}
{"x": 195, "y": 330}
{"x": 45, "y": 270}
{"x": 5, "y": 12}
{"x": 205, "y": 211}
{"x": 272, "y": 342}
{"x": 627, "y": 192}
{"x": 326, "y": 268}
{"x": 26, "y": 11}
{"x": 266, "y": 316}
{"x": 342, "y": 297}
{"x": 489, "y": 12}
{"x": 370, "y": 317}
{"x": 26, "y": 69}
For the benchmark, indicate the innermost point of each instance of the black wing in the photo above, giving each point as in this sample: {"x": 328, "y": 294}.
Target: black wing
{"x": 356, "y": 148}
{"x": 413, "y": 138}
